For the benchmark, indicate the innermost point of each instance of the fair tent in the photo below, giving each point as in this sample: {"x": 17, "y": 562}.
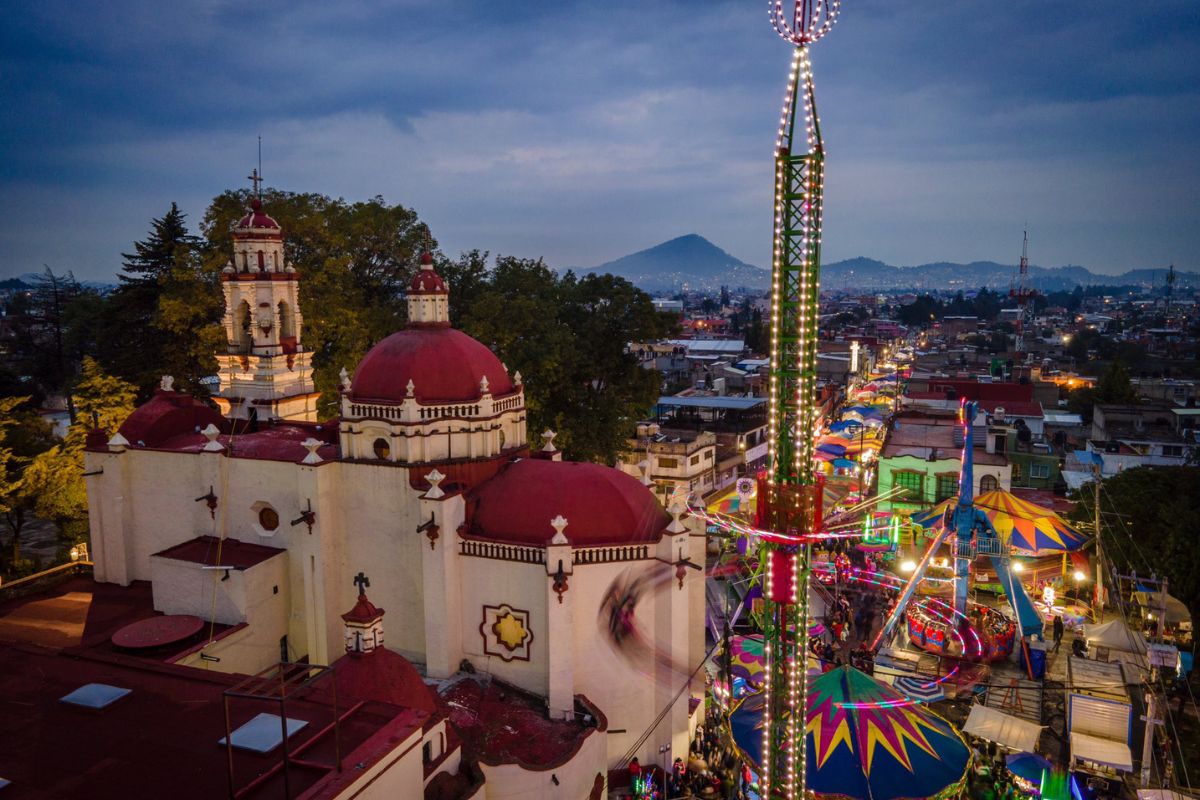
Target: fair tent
{"x": 1176, "y": 610}
{"x": 1003, "y": 729}
{"x": 1115, "y": 635}
{"x": 1105, "y": 752}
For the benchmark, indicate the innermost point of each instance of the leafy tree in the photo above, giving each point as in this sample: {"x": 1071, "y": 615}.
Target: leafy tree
{"x": 568, "y": 337}
{"x": 54, "y": 480}
{"x": 756, "y": 333}
{"x": 23, "y": 436}
{"x": 1114, "y": 386}
{"x": 921, "y": 312}
{"x": 1149, "y": 518}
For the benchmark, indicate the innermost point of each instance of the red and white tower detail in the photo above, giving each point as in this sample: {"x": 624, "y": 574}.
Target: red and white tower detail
{"x": 266, "y": 373}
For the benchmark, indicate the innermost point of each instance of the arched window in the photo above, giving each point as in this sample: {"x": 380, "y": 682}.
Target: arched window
{"x": 242, "y": 324}
{"x": 382, "y": 449}
{"x": 501, "y": 433}
{"x": 988, "y": 483}
{"x": 287, "y": 327}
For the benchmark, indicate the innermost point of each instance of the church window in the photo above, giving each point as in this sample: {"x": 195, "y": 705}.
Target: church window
{"x": 268, "y": 518}
{"x": 382, "y": 449}
{"x": 287, "y": 321}
{"x": 242, "y": 326}
{"x": 501, "y": 436}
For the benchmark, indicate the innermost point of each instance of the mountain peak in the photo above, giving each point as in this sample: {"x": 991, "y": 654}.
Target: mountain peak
{"x": 689, "y": 261}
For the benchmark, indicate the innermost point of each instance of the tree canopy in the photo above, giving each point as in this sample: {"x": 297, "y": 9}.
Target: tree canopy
{"x": 1149, "y": 519}
{"x": 567, "y": 336}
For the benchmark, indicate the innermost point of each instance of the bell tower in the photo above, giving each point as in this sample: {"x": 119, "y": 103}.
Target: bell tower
{"x": 265, "y": 372}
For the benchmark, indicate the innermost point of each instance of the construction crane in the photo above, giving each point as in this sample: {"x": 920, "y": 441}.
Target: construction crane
{"x": 789, "y": 493}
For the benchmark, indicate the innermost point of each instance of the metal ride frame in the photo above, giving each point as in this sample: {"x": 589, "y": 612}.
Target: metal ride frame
{"x": 790, "y": 492}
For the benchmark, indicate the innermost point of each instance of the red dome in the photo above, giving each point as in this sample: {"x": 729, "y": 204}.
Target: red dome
{"x": 602, "y": 505}
{"x": 444, "y": 365}
{"x": 380, "y": 676}
{"x": 257, "y": 218}
{"x": 426, "y": 281}
{"x": 165, "y": 415}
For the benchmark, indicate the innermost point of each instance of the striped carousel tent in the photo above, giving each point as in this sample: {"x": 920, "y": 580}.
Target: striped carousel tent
{"x": 865, "y": 740}
{"x": 1020, "y": 523}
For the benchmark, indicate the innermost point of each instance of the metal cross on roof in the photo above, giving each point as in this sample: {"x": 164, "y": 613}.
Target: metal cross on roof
{"x": 255, "y": 179}
{"x": 362, "y": 582}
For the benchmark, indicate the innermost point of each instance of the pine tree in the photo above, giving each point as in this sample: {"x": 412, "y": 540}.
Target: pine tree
{"x": 154, "y": 257}
{"x": 168, "y": 293}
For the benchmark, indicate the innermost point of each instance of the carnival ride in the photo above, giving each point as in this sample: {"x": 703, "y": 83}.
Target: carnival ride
{"x": 973, "y": 535}
{"x": 866, "y": 740}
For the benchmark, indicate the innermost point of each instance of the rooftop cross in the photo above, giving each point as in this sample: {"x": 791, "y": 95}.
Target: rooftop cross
{"x": 362, "y": 582}
{"x": 255, "y": 179}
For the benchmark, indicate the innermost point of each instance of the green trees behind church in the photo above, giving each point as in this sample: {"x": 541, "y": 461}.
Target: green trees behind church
{"x": 566, "y": 334}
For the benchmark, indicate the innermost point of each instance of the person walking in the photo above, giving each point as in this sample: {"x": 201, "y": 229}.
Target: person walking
{"x": 1058, "y": 631}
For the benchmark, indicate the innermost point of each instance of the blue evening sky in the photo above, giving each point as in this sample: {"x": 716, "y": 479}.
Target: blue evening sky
{"x": 585, "y": 131}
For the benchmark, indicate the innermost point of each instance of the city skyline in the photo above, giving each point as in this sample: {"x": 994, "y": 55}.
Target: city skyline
{"x": 582, "y": 134}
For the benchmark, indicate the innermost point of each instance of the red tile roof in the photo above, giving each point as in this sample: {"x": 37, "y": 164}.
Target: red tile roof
{"x": 501, "y": 724}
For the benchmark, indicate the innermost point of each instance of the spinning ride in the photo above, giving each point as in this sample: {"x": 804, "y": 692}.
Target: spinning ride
{"x": 973, "y": 534}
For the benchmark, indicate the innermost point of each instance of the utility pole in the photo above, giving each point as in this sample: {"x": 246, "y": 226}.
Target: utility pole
{"x": 1100, "y": 590}
{"x": 1151, "y": 719}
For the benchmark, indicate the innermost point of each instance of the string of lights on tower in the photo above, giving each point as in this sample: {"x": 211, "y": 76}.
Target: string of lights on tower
{"x": 790, "y": 492}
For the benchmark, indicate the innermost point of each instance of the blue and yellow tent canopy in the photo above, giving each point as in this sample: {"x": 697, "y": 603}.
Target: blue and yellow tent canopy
{"x": 1022, "y": 524}
{"x": 865, "y": 740}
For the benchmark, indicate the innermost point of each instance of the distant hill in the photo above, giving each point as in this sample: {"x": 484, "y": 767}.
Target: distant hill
{"x": 866, "y": 273}
{"x": 692, "y": 262}
{"x": 687, "y": 263}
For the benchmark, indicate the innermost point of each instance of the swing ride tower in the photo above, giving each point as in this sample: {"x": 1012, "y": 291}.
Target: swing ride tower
{"x": 789, "y": 493}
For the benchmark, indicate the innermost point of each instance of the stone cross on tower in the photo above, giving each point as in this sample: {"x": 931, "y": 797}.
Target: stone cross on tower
{"x": 362, "y": 582}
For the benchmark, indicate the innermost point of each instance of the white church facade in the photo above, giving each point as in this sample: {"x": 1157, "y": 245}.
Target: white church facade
{"x": 566, "y": 580}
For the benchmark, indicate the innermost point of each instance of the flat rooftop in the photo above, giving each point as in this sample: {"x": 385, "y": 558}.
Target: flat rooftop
{"x": 161, "y": 740}
{"x": 211, "y": 551}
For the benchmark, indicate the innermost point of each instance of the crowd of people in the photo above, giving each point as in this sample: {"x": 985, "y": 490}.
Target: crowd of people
{"x": 711, "y": 770}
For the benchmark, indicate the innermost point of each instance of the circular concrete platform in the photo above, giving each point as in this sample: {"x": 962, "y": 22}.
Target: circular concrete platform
{"x": 157, "y": 632}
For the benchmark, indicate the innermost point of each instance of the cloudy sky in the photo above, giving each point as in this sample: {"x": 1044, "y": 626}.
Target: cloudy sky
{"x": 584, "y": 131}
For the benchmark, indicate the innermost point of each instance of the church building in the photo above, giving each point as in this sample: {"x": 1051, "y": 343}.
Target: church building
{"x": 568, "y": 582}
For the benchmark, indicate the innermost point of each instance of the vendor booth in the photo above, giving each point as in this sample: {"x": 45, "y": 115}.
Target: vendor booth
{"x": 1005, "y": 730}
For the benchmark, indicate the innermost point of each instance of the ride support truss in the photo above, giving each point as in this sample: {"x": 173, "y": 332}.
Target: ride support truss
{"x": 790, "y": 493}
